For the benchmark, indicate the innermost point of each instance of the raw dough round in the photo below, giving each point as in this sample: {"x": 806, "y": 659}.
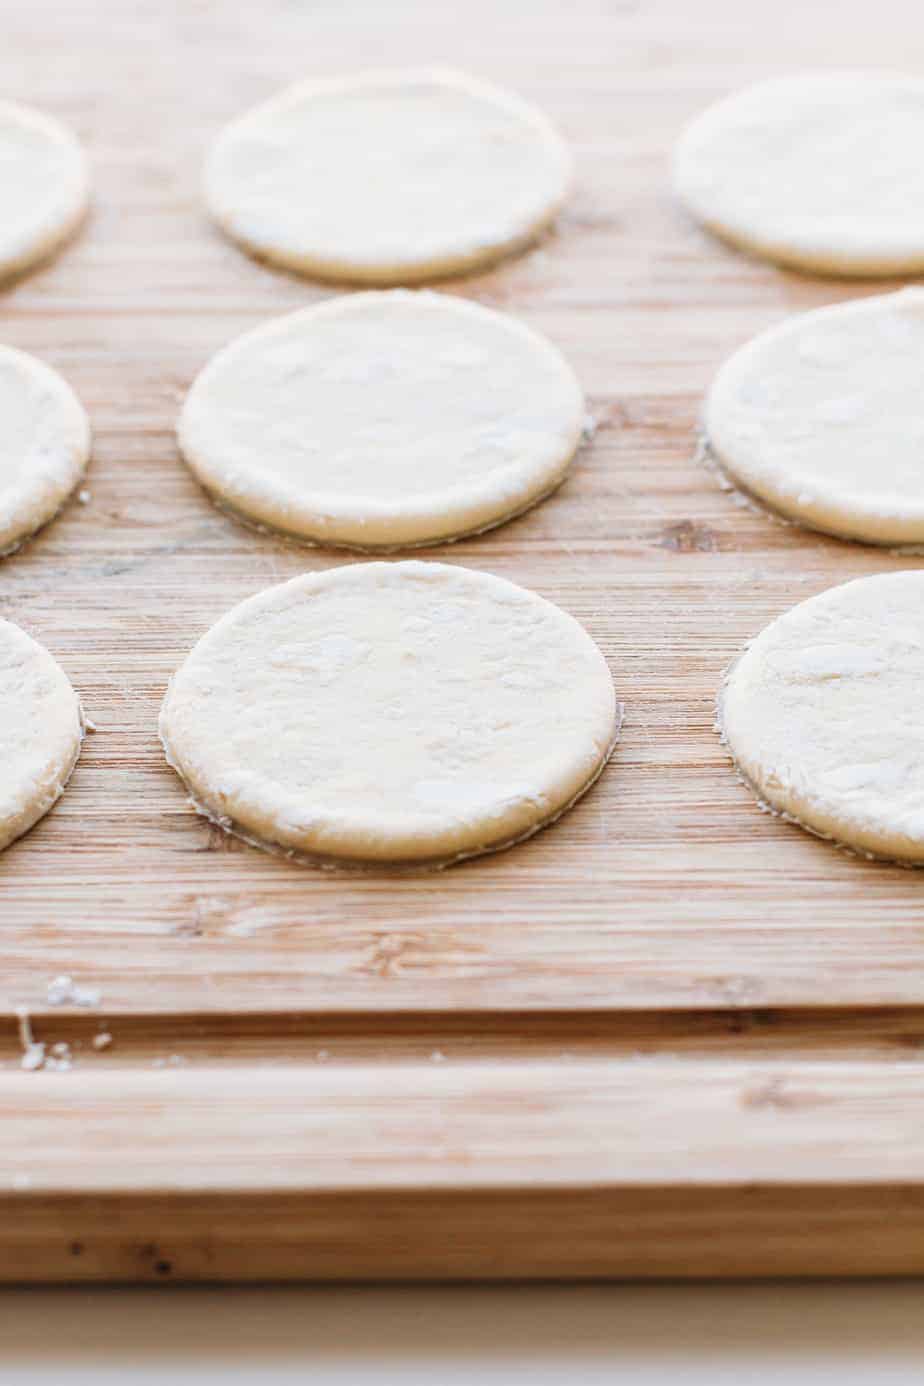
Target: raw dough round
{"x": 823, "y": 714}
{"x": 43, "y": 186}
{"x": 821, "y": 171}
{"x": 823, "y": 418}
{"x": 389, "y": 418}
{"x": 44, "y": 445}
{"x": 41, "y": 728}
{"x": 388, "y": 177}
{"x": 390, "y": 712}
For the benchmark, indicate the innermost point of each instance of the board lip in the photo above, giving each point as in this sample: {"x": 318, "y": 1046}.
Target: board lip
{"x": 708, "y": 1122}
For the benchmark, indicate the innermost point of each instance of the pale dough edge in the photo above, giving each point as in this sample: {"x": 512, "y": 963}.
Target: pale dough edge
{"x": 792, "y": 808}
{"x": 828, "y": 520}
{"x": 48, "y": 241}
{"x": 20, "y": 517}
{"x": 829, "y": 264}
{"x": 350, "y": 863}
{"x": 385, "y": 547}
{"x": 391, "y": 275}
{"x": 13, "y": 828}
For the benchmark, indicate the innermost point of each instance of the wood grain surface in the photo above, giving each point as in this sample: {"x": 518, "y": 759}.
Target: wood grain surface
{"x": 668, "y": 988}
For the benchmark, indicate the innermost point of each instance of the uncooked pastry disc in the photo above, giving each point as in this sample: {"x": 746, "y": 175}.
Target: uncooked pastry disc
{"x": 41, "y": 728}
{"x": 822, "y": 171}
{"x": 824, "y": 714}
{"x": 388, "y": 177}
{"x": 43, "y": 186}
{"x": 388, "y": 418}
{"x": 390, "y": 712}
{"x": 823, "y": 418}
{"x": 44, "y": 445}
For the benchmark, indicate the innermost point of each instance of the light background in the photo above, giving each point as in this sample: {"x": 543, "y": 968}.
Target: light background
{"x": 710, "y": 1335}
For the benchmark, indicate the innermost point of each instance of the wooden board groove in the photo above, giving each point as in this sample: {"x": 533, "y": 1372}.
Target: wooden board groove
{"x": 669, "y": 1035}
{"x": 895, "y": 1034}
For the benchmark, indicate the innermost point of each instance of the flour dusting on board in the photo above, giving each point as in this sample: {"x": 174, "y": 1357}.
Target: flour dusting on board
{"x": 33, "y": 1053}
{"x": 64, "y": 991}
{"x": 57, "y": 1057}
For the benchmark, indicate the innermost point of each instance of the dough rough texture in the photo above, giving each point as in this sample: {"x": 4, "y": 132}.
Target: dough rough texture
{"x": 44, "y": 445}
{"x": 388, "y": 418}
{"x": 821, "y": 171}
{"x": 43, "y": 186}
{"x": 388, "y": 177}
{"x": 41, "y": 729}
{"x": 823, "y": 715}
{"x": 823, "y": 418}
{"x": 390, "y": 712}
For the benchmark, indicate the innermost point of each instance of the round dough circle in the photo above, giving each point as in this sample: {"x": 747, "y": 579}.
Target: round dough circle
{"x": 821, "y": 171}
{"x": 388, "y": 177}
{"x": 383, "y": 419}
{"x": 822, "y": 714}
{"x": 43, "y": 186}
{"x": 44, "y": 445}
{"x": 41, "y": 728}
{"x": 390, "y": 712}
{"x": 823, "y": 418}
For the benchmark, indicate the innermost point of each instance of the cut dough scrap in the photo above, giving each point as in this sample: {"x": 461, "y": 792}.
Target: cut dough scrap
{"x": 44, "y": 445}
{"x": 390, "y": 712}
{"x": 823, "y": 715}
{"x": 823, "y": 418}
{"x": 388, "y": 177}
{"x": 388, "y": 418}
{"x": 821, "y": 171}
{"x": 43, "y": 186}
{"x": 41, "y": 728}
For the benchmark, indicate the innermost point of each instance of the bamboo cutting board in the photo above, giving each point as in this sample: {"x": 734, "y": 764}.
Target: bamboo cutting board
{"x": 669, "y": 1035}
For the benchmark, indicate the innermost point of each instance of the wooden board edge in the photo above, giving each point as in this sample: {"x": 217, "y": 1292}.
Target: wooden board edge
{"x": 665, "y": 1233}
{"x": 478, "y": 1170}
